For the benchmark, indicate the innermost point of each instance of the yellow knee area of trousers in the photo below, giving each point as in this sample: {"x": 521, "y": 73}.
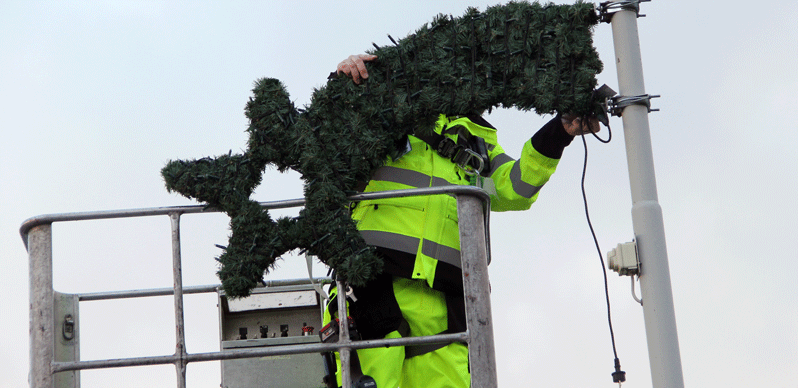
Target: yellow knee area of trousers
{"x": 422, "y": 307}
{"x": 426, "y": 314}
{"x": 446, "y": 367}
{"x": 384, "y": 364}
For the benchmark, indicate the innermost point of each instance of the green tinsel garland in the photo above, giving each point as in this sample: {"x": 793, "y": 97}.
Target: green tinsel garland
{"x": 522, "y": 55}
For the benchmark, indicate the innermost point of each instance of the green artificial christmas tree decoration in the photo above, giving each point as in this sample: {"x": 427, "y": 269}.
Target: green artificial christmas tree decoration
{"x": 522, "y": 55}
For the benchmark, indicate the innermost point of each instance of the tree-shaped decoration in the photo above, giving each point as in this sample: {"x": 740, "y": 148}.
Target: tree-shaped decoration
{"x": 522, "y": 55}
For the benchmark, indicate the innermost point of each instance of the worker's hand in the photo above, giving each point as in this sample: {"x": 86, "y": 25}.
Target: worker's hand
{"x": 355, "y": 66}
{"x": 574, "y": 126}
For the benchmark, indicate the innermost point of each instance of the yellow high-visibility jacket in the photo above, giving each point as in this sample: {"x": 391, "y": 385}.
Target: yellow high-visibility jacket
{"x": 426, "y": 226}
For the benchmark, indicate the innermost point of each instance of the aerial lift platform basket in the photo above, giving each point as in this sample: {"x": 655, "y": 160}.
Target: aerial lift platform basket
{"x": 54, "y": 316}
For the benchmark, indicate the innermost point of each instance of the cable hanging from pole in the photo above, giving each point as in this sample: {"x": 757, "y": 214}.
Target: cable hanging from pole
{"x": 618, "y": 376}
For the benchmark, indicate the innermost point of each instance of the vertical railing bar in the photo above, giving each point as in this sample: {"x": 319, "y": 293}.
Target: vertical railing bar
{"x": 476, "y": 290}
{"x": 343, "y": 337}
{"x": 177, "y": 270}
{"x": 42, "y": 337}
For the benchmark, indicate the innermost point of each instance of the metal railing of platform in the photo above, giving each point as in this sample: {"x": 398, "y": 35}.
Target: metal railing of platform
{"x": 473, "y": 206}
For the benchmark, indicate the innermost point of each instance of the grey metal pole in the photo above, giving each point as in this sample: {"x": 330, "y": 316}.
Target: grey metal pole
{"x": 177, "y": 273}
{"x": 42, "y": 337}
{"x": 344, "y": 352}
{"x": 655, "y": 283}
{"x": 476, "y": 287}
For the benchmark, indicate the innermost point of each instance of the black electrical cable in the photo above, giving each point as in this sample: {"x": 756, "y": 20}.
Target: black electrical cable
{"x": 618, "y": 376}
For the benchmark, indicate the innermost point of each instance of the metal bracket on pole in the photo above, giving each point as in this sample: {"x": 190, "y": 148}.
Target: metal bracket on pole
{"x": 608, "y": 8}
{"x": 618, "y": 103}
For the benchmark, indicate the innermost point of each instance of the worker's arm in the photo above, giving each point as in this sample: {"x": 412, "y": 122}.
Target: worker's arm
{"x": 514, "y": 184}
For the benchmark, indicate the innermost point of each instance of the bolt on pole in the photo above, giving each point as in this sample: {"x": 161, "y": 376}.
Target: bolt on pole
{"x": 655, "y": 283}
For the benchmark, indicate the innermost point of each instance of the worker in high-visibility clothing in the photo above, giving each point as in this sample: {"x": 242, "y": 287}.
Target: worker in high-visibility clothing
{"x": 420, "y": 291}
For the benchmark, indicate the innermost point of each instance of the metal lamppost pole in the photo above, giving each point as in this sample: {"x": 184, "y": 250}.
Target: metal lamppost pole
{"x": 655, "y": 283}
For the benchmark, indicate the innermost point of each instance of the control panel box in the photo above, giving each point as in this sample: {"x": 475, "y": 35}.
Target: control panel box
{"x": 271, "y": 316}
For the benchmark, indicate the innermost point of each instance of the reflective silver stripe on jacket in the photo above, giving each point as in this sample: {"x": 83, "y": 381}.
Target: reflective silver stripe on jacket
{"x": 441, "y": 252}
{"x": 519, "y": 186}
{"x": 390, "y": 240}
{"x": 407, "y": 177}
{"x": 409, "y": 244}
{"x": 499, "y": 160}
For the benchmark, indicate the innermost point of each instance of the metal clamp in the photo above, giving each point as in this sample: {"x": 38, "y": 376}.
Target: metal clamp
{"x": 608, "y": 8}
{"x": 466, "y": 164}
{"x": 461, "y": 156}
{"x": 618, "y": 103}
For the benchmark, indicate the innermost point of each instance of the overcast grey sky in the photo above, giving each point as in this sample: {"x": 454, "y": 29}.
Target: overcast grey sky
{"x": 95, "y": 97}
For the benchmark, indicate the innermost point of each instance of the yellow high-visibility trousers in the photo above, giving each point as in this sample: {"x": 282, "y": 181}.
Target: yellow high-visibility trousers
{"x": 426, "y": 314}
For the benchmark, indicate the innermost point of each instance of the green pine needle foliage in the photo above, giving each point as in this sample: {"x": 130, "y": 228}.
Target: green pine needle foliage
{"x": 523, "y": 55}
